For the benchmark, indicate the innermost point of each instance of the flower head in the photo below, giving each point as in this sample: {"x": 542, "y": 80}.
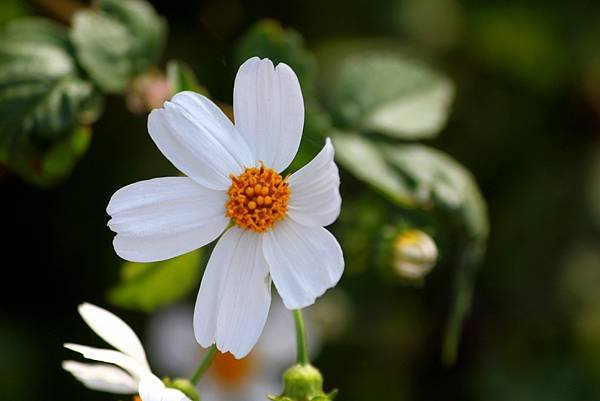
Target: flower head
{"x": 125, "y": 371}
{"x": 234, "y": 174}
{"x": 174, "y": 349}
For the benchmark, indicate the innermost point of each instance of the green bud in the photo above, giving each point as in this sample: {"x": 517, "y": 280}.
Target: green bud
{"x": 303, "y": 383}
{"x": 414, "y": 254}
{"x": 183, "y": 385}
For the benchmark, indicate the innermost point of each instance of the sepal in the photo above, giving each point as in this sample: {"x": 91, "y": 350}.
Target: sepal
{"x": 303, "y": 383}
{"x": 183, "y": 385}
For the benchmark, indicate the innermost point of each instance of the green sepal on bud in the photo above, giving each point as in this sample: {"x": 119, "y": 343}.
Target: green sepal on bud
{"x": 183, "y": 385}
{"x": 303, "y": 383}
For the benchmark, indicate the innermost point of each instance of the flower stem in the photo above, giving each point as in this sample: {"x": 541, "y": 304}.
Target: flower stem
{"x": 204, "y": 364}
{"x": 301, "y": 346}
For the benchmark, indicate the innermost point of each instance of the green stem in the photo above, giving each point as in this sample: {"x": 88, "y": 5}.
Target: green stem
{"x": 301, "y": 346}
{"x": 204, "y": 364}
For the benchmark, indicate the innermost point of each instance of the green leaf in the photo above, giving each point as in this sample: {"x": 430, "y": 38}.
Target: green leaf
{"x": 267, "y": 38}
{"x": 59, "y": 160}
{"x": 44, "y": 101}
{"x": 384, "y": 91}
{"x": 470, "y": 261}
{"x": 118, "y": 40}
{"x": 13, "y": 9}
{"x": 415, "y": 176}
{"x": 146, "y": 286}
{"x": 437, "y": 180}
{"x": 355, "y": 152}
{"x": 182, "y": 78}
{"x": 49, "y": 167}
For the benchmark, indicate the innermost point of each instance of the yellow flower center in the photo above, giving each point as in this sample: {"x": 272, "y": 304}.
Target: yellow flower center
{"x": 258, "y": 198}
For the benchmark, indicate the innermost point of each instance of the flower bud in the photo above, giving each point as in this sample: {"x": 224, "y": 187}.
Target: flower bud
{"x": 303, "y": 383}
{"x": 414, "y": 254}
{"x": 148, "y": 91}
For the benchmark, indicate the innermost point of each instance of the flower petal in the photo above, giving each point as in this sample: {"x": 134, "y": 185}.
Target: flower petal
{"x": 165, "y": 217}
{"x": 151, "y": 388}
{"x": 304, "y": 262}
{"x": 111, "y": 356}
{"x": 195, "y": 135}
{"x": 269, "y": 111}
{"x": 315, "y": 199}
{"x": 172, "y": 394}
{"x": 102, "y": 377}
{"x": 234, "y": 297}
{"x": 114, "y": 331}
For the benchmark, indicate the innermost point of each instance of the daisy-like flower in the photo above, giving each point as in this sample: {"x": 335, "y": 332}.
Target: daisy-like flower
{"x": 234, "y": 175}
{"x": 174, "y": 349}
{"x": 125, "y": 371}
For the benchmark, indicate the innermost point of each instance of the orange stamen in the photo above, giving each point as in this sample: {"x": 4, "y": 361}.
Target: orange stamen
{"x": 258, "y": 198}
{"x": 231, "y": 372}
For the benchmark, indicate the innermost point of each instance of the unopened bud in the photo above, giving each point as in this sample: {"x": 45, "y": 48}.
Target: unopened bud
{"x": 148, "y": 91}
{"x": 303, "y": 383}
{"x": 414, "y": 254}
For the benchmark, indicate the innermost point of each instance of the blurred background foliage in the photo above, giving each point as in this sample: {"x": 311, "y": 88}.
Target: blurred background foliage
{"x": 430, "y": 104}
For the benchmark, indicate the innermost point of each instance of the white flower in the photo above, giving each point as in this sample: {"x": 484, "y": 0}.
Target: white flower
{"x": 131, "y": 375}
{"x": 174, "y": 349}
{"x": 233, "y": 174}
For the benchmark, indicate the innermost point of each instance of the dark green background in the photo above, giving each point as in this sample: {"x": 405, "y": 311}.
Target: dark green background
{"x": 525, "y": 121}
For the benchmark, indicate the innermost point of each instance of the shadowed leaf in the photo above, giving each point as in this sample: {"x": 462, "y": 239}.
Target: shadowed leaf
{"x": 44, "y": 101}
{"x": 146, "y": 286}
{"x": 387, "y": 92}
{"x": 182, "y": 78}
{"x": 117, "y": 40}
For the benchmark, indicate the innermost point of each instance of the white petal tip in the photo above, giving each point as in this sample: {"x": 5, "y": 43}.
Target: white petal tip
{"x": 301, "y": 305}
{"x": 70, "y": 366}
{"x": 72, "y": 347}
{"x": 182, "y": 95}
{"x": 126, "y": 254}
{"x": 252, "y": 60}
{"x": 203, "y": 343}
{"x": 257, "y": 60}
{"x": 284, "y": 66}
{"x": 204, "y": 339}
{"x": 236, "y": 354}
{"x": 89, "y": 312}
{"x": 84, "y": 307}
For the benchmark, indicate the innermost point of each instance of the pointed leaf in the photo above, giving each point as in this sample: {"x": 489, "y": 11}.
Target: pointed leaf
{"x": 118, "y": 40}
{"x": 44, "y": 101}
{"x": 387, "y": 92}
{"x": 415, "y": 176}
{"x": 182, "y": 78}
